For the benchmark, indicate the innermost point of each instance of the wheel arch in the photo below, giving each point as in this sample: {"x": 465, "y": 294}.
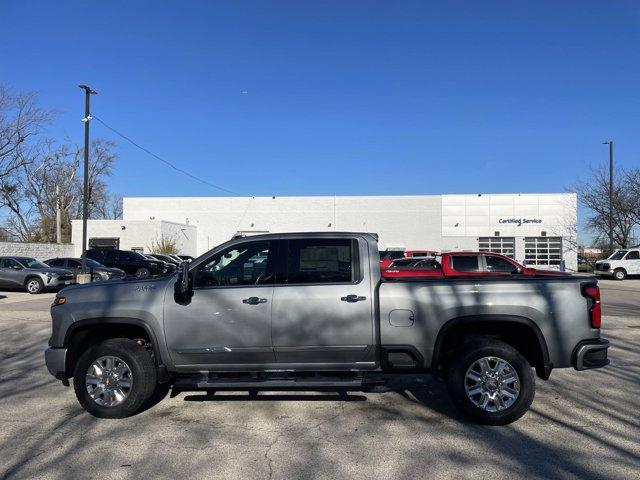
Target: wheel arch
{"x": 454, "y": 332}
{"x": 90, "y": 331}
{"x": 32, "y": 275}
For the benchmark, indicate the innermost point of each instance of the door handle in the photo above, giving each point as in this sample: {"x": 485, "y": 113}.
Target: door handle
{"x": 254, "y": 300}
{"x": 352, "y": 298}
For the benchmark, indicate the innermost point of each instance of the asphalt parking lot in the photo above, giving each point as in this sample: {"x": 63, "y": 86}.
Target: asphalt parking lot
{"x": 582, "y": 424}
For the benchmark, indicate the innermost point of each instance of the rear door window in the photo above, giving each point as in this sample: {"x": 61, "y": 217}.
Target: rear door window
{"x": 633, "y": 255}
{"x": 465, "y": 263}
{"x": 322, "y": 261}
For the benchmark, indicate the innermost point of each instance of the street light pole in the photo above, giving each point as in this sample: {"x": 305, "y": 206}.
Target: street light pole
{"x": 610, "y": 143}
{"x": 88, "y": 91}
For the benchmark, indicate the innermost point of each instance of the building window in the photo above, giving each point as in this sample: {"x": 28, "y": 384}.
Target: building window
{"x": 502, "y": 245}
{"x": 543, "y": 250}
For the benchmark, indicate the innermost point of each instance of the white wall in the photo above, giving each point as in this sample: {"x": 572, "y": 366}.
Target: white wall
{"x": 39, "y": 251}
{"x": 418, "y": 221}
{"x": 409, "y": 221}
{"x": 513, "y": 215}
{"x": 136, "y": 234}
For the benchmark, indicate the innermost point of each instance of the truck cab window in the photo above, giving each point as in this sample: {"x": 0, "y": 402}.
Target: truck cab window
{"x": 465, "y": 263}
{"x": 633, "y": 255}
{"x": 321, "y": 261}
{"x": 245, "y": 264}
{"x": 498, "y": 265}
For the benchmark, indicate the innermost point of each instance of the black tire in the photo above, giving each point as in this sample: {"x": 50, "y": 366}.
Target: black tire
{"x": 619, "y": 274}
{"x": 34, "y": 285}
{"x": 143, "y": 375}
{"x": 143, "y": 273}
{"x": 463, "y": 360}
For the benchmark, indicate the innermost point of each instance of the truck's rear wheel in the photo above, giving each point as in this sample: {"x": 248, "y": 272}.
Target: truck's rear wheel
{"x": 491, "y": 382}
{"x": 114, "y": 378}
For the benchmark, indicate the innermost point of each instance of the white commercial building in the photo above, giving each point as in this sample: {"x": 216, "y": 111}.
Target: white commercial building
{"x": 538, "y": 228}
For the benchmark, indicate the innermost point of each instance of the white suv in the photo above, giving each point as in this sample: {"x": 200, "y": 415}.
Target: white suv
{"x": 620, "y": 264}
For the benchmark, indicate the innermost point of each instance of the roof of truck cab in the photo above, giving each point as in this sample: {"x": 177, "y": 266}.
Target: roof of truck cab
{"x": 374, "y": 236}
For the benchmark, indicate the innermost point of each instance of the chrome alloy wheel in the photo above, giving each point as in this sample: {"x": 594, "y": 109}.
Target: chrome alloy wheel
{"x": 33, "y": 286}
{"x": 108, "y": 381}
{"x": 492, "y": 384}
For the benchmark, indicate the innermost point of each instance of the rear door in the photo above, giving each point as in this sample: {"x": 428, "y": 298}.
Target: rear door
{"x": 11, "y": 273}
{"x": 323, "y": 312}
{"x": 4, "y": 280}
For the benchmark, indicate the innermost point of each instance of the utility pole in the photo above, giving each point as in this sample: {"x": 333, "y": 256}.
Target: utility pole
{"x": 88, "y": 91}
{"x": 610, "y": 143}
{"x": 58, "y": 216}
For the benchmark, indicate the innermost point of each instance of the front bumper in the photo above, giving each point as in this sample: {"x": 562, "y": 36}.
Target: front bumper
{"x": 55, "y": 282}
{"x": 603, "y": 273}
{"x": 56, "y": 360}
{"x": 591, "y": 355}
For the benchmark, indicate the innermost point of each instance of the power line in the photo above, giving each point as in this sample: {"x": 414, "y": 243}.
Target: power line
{"x": 166, "y": 162}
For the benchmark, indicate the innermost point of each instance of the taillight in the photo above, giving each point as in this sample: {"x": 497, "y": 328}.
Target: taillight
{"x": 592, "y": 292}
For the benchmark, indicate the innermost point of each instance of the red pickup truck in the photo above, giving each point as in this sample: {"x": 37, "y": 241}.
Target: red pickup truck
{"x": 461, "y": 264}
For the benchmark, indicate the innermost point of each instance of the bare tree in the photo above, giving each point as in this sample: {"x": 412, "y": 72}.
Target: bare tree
{"x": 593, "y": 194}
{"x": 633, "y": 182}
{"x": 52, "y": 179}
{"x": 165, "y": 244}
{"x": 20, "y": 120}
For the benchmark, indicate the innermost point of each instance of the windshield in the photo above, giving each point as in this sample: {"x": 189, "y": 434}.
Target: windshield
{"x": 618, "y": 255}
{"x": 93, "y": 263}
{"x": 31, "y": 263}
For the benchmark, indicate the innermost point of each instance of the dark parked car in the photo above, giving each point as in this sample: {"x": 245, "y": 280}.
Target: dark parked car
{"x": 172, "y": 264}
{"x": 97, "y": 270}
{"x": 132, "y": 263}
{"x": 31, "y": 274}
{"x": 164, "y": 258}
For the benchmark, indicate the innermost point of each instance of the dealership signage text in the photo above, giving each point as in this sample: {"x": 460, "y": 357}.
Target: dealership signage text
{"x": 520, "y": 221}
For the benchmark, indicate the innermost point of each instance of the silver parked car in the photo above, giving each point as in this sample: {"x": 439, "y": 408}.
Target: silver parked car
{"x": 31, "y": 274}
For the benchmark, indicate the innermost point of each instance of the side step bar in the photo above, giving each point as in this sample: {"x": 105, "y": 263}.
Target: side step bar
{"x": 266, "y": 381}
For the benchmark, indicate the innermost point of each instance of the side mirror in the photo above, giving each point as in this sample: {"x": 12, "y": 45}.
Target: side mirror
{"x": 517, "y": 270}
{"x": 183, "y": 290}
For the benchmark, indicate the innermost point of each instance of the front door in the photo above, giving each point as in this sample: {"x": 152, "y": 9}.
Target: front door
{"x": 633, "y": 262}
{"x": 323, "y": 312}
{"x": 227, "y": 322}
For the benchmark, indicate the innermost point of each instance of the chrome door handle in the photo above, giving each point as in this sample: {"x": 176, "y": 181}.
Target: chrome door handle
{"x": 352, "y": 298}
{"x": 254, "y": 300}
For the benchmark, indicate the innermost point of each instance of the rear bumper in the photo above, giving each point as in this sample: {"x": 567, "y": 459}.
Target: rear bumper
{"x": 591, "y": 354}
{"x": 56, "y": 360}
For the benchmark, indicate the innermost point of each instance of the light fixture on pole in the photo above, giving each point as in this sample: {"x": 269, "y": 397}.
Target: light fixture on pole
{"x": 88, "y": 91}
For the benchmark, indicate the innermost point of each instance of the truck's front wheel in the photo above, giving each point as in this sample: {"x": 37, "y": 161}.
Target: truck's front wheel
{"x": 491, "y": 382}
{"x": 114, "y": 378}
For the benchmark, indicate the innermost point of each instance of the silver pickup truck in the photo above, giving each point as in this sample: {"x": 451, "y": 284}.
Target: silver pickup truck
{"x": 311, "y": 311}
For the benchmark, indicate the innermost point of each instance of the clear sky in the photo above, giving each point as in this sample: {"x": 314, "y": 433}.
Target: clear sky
{"x": 338, "y": 97}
